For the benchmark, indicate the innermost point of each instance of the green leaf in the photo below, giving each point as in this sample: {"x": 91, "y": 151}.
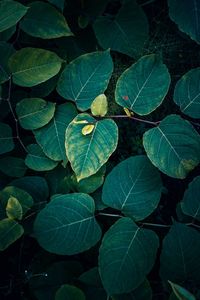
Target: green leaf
{"x": 88, "y": 153}
{"x": 67, "y": 225}
{"x": 69, "y": 292}
{"x": 10, "y": 13}
{"x": 173, "y": 146}
{"x": 89, "y": 184}
{"x": 58, "y": 3}
{"x": 180, "y": 254}
{"x": 14, "y": 209}
{"x": 44, "y": 21}
{"x": 187, "y": 93}
{"x": 51, "y": 137}
{"x": 134, "y": 186}
{"x": 144, "y": 85}
{"x": 13, "y": 166}
{"x": 179, "y": 11}
{"x": 6, "y": 139}
{"x": 24, "y": 198}
{"x": 6, "y": 35}
{"x": 99, "y": 106}
{"x": 10, "y": 231}
{"x": 59, "y": 180}
{"x": 36, "y": 186}
{"x": 85, "y": 78}
{"x": 126, "y": 256}
{"x": 31, "y": 66}
{"x": 91, "y": 277}
{"x": 180, "y": 292}
{"x": 127, "y": 32}
{"x": 6, "y": 50}
{"x": 142, "y": 292}
{"x": 34, "y": 113}
{"x": 191, "y": 200}
{"x": 37, "y": 160}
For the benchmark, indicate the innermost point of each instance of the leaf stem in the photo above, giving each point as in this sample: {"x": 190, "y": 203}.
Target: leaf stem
{"x": 110, "y": 215}
{"x": 134, "y": 119}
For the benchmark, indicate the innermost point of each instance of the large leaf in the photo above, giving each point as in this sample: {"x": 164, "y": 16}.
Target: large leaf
{"x": 87, "y": 153}
{"x": 126, "y": 256}
{"x": 34, "y": 113}
{"x": 10, "y": 231}
{"x": 44, "y": 21}
{"x": 85, "y": 78}
{"x": 10, "y": 13}
{"x": 31, "y": 66}
{"x": 69, "y": 292}
{"x": 58, "y": 3}
{"x": 187, "y": 93}
{"x": 134, "y": 186}
{"x": 6, "y": 139}
{"x": 173, "y": 146}
{"x": 143, "y": 86}
{"x": 180, "y": 254}
{"x": 191, "y": 200}
{"x": 13, "y": 166}
{"x": 182, "y": 10}
{"x": 37, "y": 160}
{"x": 51, "y": 137}
{"x": 6, "y": 50}
{"x": 25, "y": 200}
{"x": 67, "y": 224}
{"x": 142, "y": 292}
{"x": 126, "y": 32}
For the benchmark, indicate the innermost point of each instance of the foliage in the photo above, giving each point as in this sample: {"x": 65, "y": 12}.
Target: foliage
{"x": 100, "y": 150}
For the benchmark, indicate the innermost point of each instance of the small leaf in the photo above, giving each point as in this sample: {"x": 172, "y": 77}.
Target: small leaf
{"x": 99, "y": 106}
{"x": 187, "y": 93}
{"x": 31, "y": 66}
{"x": 36, "y": 21}
{"x": 69, "y": 292}
{"x": 85, "y": 78}
{"x": 67, "y": 221}
{"x": 14, "y": 209}
{"x": 24, "y": 199}
{"x": 6, "y": 139}
{"x": 180, "y": 292}
{"x": 10, "y": 13}
{"x": 145, "y": 85}
{"x": 126, "y": 256}
{"x": 51, "y": 137}
{"x": 191, "y": 199}
{"x": 6, "y": 50}
{"x": 34, "y": 113}
{"x": 88, "y": 153}
{"x": 10, "y": 231}
{"x": 37, "y": 160}
{"x": 87, "y": 129}
{"x": 173, "y": 146}
{"x": 127, "y": 111}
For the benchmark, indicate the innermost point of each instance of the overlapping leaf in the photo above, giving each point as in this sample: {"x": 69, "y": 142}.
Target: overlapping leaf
{"x": 10, "y": 231}
{"x": 67, "y": 224}
{"x": 51, "y": 137}
{"x": 126, "y": 256}
{"x": 187, "y": 93}
{"x": 6, "y": 139}
{"x": 173, "y": 146}
{"x": 44, "y": 21}
{"x": 134, "y": 187}
{"x": 85, "y": 78}
{"x": 127, "y": 32}
{"x": 31, "y": 66}
{"x": 87, "y": 153}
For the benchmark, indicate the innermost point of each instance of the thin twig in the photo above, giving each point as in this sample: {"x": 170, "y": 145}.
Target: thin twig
{"x": 134, "y": 119}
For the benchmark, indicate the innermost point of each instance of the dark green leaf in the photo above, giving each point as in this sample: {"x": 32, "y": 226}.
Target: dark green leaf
{"x": 10, "y": 231}
{"x": 69, "y": 292}
{"x": 6, "y": 50}
{"x": 6, "y": 139}
{"x": 13, "y": 166}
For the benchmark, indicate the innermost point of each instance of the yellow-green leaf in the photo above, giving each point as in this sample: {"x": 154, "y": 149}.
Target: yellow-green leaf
{"x": 87, "y": 129}
{"x": 99, "y": 106}
{"x": 14, "y": 209}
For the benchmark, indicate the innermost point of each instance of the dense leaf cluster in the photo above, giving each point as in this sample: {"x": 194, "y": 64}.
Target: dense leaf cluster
{"x": 103, "y": 225}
